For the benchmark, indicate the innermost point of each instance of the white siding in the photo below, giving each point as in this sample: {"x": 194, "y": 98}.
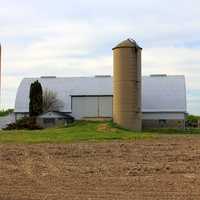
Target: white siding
{"x": 105, "y": 106}
{"x": 21, "y": 115}
{"x": 167, "y": 116}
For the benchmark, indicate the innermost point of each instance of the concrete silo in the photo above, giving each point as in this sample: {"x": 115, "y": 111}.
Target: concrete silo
{"x": 127, "y": 85}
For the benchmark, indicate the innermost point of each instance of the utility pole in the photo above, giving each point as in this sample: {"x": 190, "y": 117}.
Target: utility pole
{"x": 0, "y": 75}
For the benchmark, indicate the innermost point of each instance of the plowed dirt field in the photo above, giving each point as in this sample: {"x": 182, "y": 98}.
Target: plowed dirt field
{"x": 152, "y": 169}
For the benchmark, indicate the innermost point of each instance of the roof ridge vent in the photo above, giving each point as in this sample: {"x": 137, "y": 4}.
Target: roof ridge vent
{"x": 102, "y": 76}
{"x": 48, "y": 77}
{"x": 158, "y": 75}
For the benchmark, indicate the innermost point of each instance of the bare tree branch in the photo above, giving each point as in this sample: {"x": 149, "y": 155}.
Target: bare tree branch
{"x": 51, "y": 101}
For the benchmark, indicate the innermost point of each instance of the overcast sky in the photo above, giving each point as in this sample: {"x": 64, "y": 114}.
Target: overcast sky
{"x": 75, "y": 38}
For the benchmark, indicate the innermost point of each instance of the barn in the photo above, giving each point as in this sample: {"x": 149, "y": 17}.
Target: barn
{"x": 163, "y": 98}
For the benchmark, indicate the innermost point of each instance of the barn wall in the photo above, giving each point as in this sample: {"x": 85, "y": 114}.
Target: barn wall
{"x": 163, "y": 115}
{"x": 20, "y": 115}
{"x": 163, "y": 120}
{"x": 149, "y": 121}
{"x": 151, "y": 124}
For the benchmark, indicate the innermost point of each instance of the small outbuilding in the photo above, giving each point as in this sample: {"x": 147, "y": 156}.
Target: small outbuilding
{"x": 52, "y": 119}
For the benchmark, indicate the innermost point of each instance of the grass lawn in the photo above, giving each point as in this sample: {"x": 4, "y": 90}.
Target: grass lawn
{"x": 79, "y": 131}
{"x": 173, "y": 131}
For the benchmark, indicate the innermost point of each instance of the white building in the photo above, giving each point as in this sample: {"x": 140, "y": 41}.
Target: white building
{"x": 163, "y": 98}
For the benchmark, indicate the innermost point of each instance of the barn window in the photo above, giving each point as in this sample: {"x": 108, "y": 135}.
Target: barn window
{"x": 49, "y": 121}
{"x": 162, "y": 122}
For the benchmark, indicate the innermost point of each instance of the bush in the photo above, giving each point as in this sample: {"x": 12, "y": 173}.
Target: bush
{"x": 24, "y": 123}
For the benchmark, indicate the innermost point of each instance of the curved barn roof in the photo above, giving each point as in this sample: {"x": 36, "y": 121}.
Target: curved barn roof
{"x": 164, "y": 94}
{"x": 159, "y": 93}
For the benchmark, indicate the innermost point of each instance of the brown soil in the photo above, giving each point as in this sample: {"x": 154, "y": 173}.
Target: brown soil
{"x": 156, "y": 169}
{"x": 106, "y": 128}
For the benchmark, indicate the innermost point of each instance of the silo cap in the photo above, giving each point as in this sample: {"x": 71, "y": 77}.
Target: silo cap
{"x": 129, "y": 43}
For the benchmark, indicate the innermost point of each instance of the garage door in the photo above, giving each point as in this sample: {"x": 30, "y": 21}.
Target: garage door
{"x": 105, "y": 106}
{"x": 92, "y": 106}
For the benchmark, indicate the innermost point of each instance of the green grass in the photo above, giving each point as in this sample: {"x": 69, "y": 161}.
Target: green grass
{"x": 79, "y": 131}
{"x": 187, "y": 131}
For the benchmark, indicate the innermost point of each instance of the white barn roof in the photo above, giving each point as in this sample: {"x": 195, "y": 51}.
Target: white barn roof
{"x": 164, "y": 94}
{"x": 159, "y": 93}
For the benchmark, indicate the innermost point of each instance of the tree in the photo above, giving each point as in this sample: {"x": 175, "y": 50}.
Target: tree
{"x": 36, "y": 101}
{"x": 192, "y": 121}
{"x": 51, "y": 101}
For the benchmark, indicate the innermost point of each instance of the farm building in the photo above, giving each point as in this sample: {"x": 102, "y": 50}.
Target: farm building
{"x": 163, "y": 98}
{"x": 50, "y": 119}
